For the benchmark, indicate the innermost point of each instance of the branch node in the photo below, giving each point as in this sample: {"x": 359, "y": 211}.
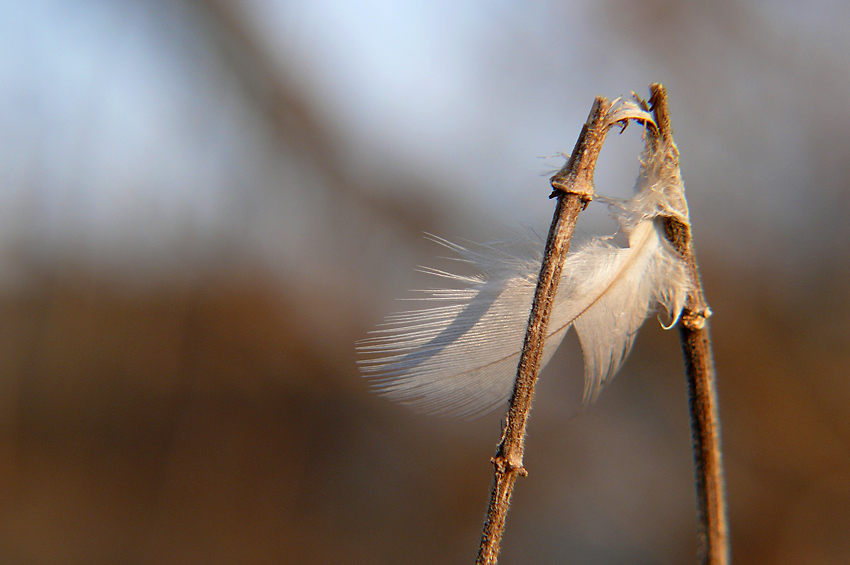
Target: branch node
{"x": 696, "y": 320}
{"x": 586, "y": 198}
{"x": 503, "y": 466}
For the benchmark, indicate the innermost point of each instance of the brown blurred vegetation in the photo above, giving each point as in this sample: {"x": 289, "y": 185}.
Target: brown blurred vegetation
{"x": 193, "y": 423}
{"x": 208, "y": 420}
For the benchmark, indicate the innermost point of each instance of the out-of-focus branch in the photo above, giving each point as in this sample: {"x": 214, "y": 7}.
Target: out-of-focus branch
{"x": 295, "y": 119}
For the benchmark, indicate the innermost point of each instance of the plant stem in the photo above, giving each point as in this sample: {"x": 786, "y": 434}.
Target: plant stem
{"x": 573, "y": 186}
{"x": 699, "y": 366}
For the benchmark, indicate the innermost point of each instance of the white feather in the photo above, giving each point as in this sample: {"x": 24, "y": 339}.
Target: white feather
{"x": 460, "y": 355}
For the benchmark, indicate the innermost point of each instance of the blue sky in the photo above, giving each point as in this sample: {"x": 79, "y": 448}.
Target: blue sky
{"x": 115, "y": 116}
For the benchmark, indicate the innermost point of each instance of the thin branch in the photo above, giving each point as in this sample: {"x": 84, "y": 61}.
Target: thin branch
{"x": 573, "y": 186}
{"x": 699, "y": 365}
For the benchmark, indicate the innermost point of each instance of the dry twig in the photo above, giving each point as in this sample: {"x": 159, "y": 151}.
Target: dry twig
{"x": 573, "y": 186}
{"x": 699, "y": 365}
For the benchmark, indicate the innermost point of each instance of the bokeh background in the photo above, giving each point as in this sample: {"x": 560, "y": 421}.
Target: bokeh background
{"x": 204, "y": 203}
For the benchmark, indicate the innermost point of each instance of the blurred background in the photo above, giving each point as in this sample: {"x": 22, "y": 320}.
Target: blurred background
{"x": 205, "y": 203}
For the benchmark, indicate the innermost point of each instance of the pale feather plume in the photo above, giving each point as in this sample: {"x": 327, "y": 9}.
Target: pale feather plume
{"x": 459, "y": 356}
